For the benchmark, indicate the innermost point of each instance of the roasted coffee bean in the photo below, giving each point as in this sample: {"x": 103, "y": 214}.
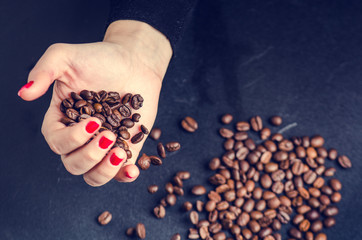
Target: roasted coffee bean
{"x": 331, "y": 211}
{"x": 75, "y": 96}
{"x": 321, "y": 236}
{"x": 137, "y": 138}
{"x": 100, "y": 117}
{"x": 144, "y": 162}
{"x": 141, "y": 230}
{"x": 161, "y": 150}
{"x": 155, "y": 133}
{"x": 336, "y": 197}
{"x": 126, "y": 98}
{"x": 226, "y": 133}
{"x": 280, "y": 156}
{"x": 137, "y": 101}
{"x": 155, "y": 160}
{"x": 298, "y": 168}
{"x": 264, "y": 233}
{"x": 335, "y": 184}
{"x": 199, "y": 205}
{"x": 189, "y": 124}
{"x": 254, "y": 226}
{"x": 329, "y": 172}
{"x": 123, "y": 133}
{"x": 198, "y": 190}
{"x": 265, "y": 133}
{"x": 171, "y": 199}
{"x": 130, "y": 231}
{"x": 309, "y": 177}
{"x": 72, "y": 114}
{"x": 68, "y": 103}
{"x": 80, "y": 103}
{"x": 249, "y": 205}
{"x": 227, "y": 118}
{"x": 219, "y": 236}
{"x": 178, "y": 191}
{"x": 241, "y": 136}
{"x": 316, "y": 226}
{"x": 126, "y": 112}
{"x": 104, "y": 218}
{"x": 193, "y": 234}
{"x": 144, "y": 130}
{"x": 329, "y": 222}
{"x": 172, "y": 146}
{"x": 127, "y": 122}
{"x": 113, "y": 120}
{"x": 176, "y": 236}
{"x": 332, "y": 154}
{"x": 295, "y": 233}
{"x": 67, "y": 121}
{"x": 159, "y": 211}
{"x": 184, "y": 175}
{"x": 136, "y": 117}
{"x": 177, "y": 181}
{"x": 319, "y": 182}
{"x": 276, "y": 120}
{"x": 106, "y": 109}
{"x": 169, "y": 188}
{"x": 317, "y": 141}
{"x": 242, "y": 126}
{"x": 152, "y": 189}
{"x": 343, "y": 161}
{"x": 194, "y": 217}
{"x": 250, "y": 144}
{"x": 278, "y": 187}
{"x": 256, "y": 123}
{"x": 266, "y": 181}
{"x": 286, "y": 145}
{"x": 229, "y": 144}
{"x": 187, "y": 206}
{"x": 247, "y": 233}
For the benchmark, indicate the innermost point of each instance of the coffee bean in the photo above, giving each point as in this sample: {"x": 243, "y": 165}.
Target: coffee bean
{"x": 155, "y": 133}
{"x": 266, "y": 181}
{"x": 126, "y": 112}
{"x": 80, "y": 103}
{"x": 335, "y": 184}
{"x": 249, "y": 205}
{"x": 198, "y": 190}
{"x": 316, "y": 226}
{"x": 68, "y": 103}
{"x": 75, "y": 96}
{"x": 331, "y": 211}
{"x": 137, "y": 101}
{"x": 295, "y": 233}
{"x": 317, "y": 141}
{"x": 136, "y": 117}
{"x": 123, "y": 133}
{"x": 137, "y": 138}
{"x": 193, "y": 234}
{"x": 276, "y": 120}
{"x": 254, "y": 226}
{"x": 113, "y": 120}
{"x": 227, "y": 118}
{"x": 189, "y": 124}
{"x": 242, "y": 126}
{"x": 184, "y": 175}
{"x": 159, "y": 211}
{"x": 155, "y": 160}
{"x": 178, "y": 191}
{"x": 100, "y": 117}
{"x": 161, "y": 150}
{"x": 343, "y": 161}
{"x": 187, "y": 206}
{"x": 141, "y": 230}
{"x": 219, "y": 236}
{"x": 176, "y": 236}
{"x": 194, "y": 217}
{"x": 250, "y": 144}
{"x": 199, "y": 205}
{"x": 127, "y": 122}
{"x": 309, "y": 177}
{"x": 144, "y": 162}
{"x": 321, "y": 236}
{"x": 67, "y": 121}
{"x": 87, "y": 95}
{"x": 298, "y": 168}
{"x": 329, "y": 172}
{"x": 104, "y": 218}
{"x": 130, "y": 231}
{"x": 144, "y": 130}
{"x": 171, "y": 199}
{"x": 106, "y": 109}
{"x": 152, "y": 189}
{"x": 280, "y": 156}
{"x": 172, "y": 146}
{"x": 336, "y": 197}
{"x": 72, "y": 114}
{"x": 256, "y": 123}
{"x": 178, "y": 182}
{"x": 265, "y": 133}
{"x": 226, "y": 133}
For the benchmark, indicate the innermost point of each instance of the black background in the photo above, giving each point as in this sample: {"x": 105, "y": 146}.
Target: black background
{"x": 299, "y": 59}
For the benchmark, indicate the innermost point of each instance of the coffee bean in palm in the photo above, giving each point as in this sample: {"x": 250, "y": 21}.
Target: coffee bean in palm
{"x": 276, "y": 120}
{"x": 152, "y": 189}
{"x": 144, "y": 129}
{"x": 144, "y": 162}
{"x": 98, "y": 107}
{"x": 113, "y": 120}
{"x": 72, "y": 114}
{"x": 87, "y": 95}
{"x": 227, "y": 118}
{"x": 123, "y": 133}
{"x": 156, "y": 160}
{"x": 106, "y": 109}
{"x": 75, "y": 96}
{"x": 68, "y": 103}
{"x": 136, "y": 117}
{"x": 105, "y": 218}
{"x": 141, "y": 230}
{"x": 66, "y": 121}
{"x": 137, "y": 101}
{"x": 172, "y": 146}
{"x": 83, "y": 117}
{"x": 127, "y": 122}
{"x": 343, "y": 161}
{"x": 256, "y": 123}
{"x": 80, "y": 103}
{"x": 125, "y": 111}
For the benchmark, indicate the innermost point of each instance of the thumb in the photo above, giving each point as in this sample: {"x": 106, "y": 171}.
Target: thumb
{"x": 49, "y": 68}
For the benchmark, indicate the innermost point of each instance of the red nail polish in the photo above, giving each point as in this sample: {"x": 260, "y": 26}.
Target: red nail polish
{"x": 104, "y": 142}
{"x": 128, "y": 175}
{"x": 28, "y": 85}
{"x": 115, "y": 160}
{"x": 91, "y": 127}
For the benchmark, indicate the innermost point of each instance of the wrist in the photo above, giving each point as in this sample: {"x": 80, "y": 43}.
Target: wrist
{"x": 147, "y": 43}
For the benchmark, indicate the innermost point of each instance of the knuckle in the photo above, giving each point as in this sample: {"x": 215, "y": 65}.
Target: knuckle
{"x": 57, "y": 47}
{"x": 91, "y": 181}
{"x": 73, "y": 169}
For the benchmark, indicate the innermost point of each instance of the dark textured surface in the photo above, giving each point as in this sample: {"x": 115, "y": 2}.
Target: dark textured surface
{"x": 299, "y": 59}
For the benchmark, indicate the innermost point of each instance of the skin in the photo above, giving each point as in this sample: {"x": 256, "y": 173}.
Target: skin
{"x": 132, "y": 58}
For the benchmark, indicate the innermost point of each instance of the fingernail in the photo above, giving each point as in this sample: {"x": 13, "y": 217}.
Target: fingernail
{"x": 28, "y": 85}
{"x": 115, "y": 160}
{"x": 104, "y": 142}
{"x": 91, "y": 127}
{"x": 129, "y": 175}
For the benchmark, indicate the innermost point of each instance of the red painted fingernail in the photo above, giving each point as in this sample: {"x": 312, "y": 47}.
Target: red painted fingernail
{"x": 115, "y": 160}
{"x": 104, "y": 142}
{"x": 129, "y": 175}
{"x": 28, "y": 85}
{"x": 91, "y": 126}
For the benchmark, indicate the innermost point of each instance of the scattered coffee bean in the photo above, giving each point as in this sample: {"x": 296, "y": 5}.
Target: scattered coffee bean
{"x": 105, "y": 218}
{"x": 189, "y": 124}
{"x": 227, "y": 118}
{"x": 344, "y": 161}
{"x": 152, "y": 189}
{"x": 198, "y": 190}
{"x": 130, "y": 231}
{"x": 161, "y": 150}
{"x": 137, "y": 138}
{"x": 172, "y": 146}
{"x": 159, "y": 211}
{"x": 156, "y": 160}
{"x": 144, "y": 129}
{"x": 276, "y": 120}
{"x": 256, "y": 123}
{"x": 141, "y": 230}
{"x": 155, "y": 133}
{"x": 176, "y": 236}
{"x": 144, "y": 162}
{"x": 187, "y": 206}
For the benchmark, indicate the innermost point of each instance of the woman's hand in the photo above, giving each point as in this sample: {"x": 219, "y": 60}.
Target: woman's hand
{"x": 132, "y": 58}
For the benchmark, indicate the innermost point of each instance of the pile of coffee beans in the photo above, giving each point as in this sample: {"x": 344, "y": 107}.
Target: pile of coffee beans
{"x": 114, "y": 112}
{"x": 260, "y": 187}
